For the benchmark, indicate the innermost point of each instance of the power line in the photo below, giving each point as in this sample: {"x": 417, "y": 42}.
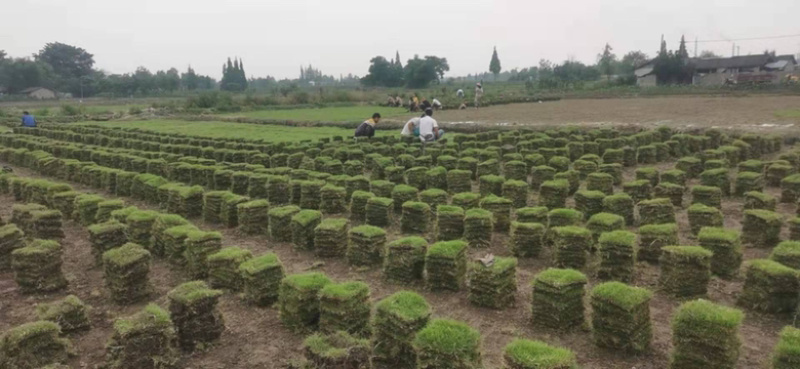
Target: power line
{"x": 750, "y": 39}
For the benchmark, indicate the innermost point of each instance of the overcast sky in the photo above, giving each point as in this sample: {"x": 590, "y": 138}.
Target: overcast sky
{"x": 341, "y": 36}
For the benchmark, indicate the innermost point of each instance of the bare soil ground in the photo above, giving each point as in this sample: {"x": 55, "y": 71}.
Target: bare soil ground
{"x": 255, "y": 338}
{"x": 749, "y": 113}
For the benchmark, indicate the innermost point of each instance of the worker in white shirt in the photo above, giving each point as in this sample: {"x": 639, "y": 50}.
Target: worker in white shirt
{"x": 437, "y": 105}
{"x": 428, "y": 128}
{"x": 411, "y": 127}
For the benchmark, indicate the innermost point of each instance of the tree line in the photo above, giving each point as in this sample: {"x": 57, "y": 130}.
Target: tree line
{"x": 417, "y": 73}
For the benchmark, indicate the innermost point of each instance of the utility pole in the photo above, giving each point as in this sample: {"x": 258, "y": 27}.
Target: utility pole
{"x": 738, "y": 51}
{"x": 695, "y": 46}
{"x": 733, "y": 49}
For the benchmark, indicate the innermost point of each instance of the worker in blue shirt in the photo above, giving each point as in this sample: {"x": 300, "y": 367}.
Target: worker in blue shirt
{"x": 28, "y": 120}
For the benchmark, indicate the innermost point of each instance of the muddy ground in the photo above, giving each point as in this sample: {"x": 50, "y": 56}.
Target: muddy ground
{"x": 755, "y": 113}
{"x": 255, "y": 338}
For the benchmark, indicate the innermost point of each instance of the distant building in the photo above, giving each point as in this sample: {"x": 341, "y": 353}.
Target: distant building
{"x": 761, "y": 68}
{"x": 40, "y": 93}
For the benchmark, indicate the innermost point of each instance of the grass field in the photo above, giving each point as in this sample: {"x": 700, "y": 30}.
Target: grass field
{"x": 335, "y": 114}
{"x": 268, "y": 133}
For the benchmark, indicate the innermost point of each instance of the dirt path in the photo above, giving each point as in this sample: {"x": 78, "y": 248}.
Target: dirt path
{"x": 255, "y": 338}
{"x": 749, "y": 113}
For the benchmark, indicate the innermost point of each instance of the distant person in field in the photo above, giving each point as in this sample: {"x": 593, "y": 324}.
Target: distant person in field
{"x": 398, "y": 101}
{"x": 428, "y": 128}
{"x": 478, "y": 94}
{"x": 28, "y": 120}
{"x": 367, "y": 129}
{"x": 425, "y": 105}
{"x": 463, "y": 106}
{"x": 390, "y": 101}
{"x": 436, "y": 104}
{"x": 460, "y": 93}
{"x": 412, "y": 127}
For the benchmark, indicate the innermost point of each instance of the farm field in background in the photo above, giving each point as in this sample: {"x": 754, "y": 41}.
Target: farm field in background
{"x": 211, "y": 129}
{"x": 333, "y": 114}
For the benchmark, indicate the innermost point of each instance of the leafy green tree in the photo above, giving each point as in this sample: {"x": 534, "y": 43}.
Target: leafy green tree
{"x": 19, "y": 74}
{"x": 631, "y": 60}
{"x": 606, "y": 61}
{"x": 67, "y": 61}
{"x": 708, "y": 54}
{"x": 494, "y": 65}
{"x": 420, "y": 73}
{"x": 233, "y": 76}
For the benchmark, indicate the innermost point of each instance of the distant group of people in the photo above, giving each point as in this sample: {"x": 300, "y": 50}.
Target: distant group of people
{"x": 424, "y": 127}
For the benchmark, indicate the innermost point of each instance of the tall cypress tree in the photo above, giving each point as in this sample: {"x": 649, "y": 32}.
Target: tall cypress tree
{"x": 682, "y": 49}
{"x": 494, "y": 65}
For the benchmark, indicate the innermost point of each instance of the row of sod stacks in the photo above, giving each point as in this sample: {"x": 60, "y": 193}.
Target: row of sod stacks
{"x": 621, "y": 317}
{"x": 194, "y": 312}
{"x": 261, "y": 278}
{"x": 345, "y": 307}
{"x": 37, "y": 266}
{"x": 140, "y": 225}
{"x": 446, "y": 265}
{"x": 405, "y": 260}
{"x": 761, "y": 228}
{"x": 397, "y": 320}
{"x": 557, "y": 299}
{"x": 494, "y": 285}
{"x": 21, "y": 215}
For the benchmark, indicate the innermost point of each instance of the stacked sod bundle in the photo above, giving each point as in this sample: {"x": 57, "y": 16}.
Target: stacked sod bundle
{"x": 706, "y": 195}
{"x": 46, "y": 224}
{"x": 478, "y": 228}
{"x": 656, "y": 211}
{"x": 405, "y": 260}
{"x": 794, "y": 228}
{"x": 140, "y": 225}
{"x": 749, "y": 181}
{"x": 416, "y": 217}
{"x": 602, "y": 182}
{"x": 516, "y": 170}
{"x": 106, "y": 236}
{"x": 604, "y": 222}
{"x": 436, "y": 178}
{"x": 33, "y": 345}
{"x": 690, "y": 165}
{"x": 330, "y": 237}
{"x": 105, "y": 208}
{"x": 223, "y": 268}
{"x": 253, "y": 216}
{"x": 278, "y": 190}
{"x": 449, "y": 223}
{"x": 11, "y": 238}
{"x": 526, "y": 354}
{"x": 769, "y": 287}
{"x": 261, "y": 279}
{"x": 617, "y": 256}
{"x": 564, "y": 217}
{"x": 193, "y": 307}
{"x": 726, "y": 246}
{"x": 280, "y": 222}
{"x": 402, "y": 194}
{"x": 121, "y": 215}
{"x": 332, "y": 200}
{"x": 213, "y": 202}
{"x": 145, "y": 340}
{"x": 761, "y": 228}
{"x": 541, "y": 174}
{"x": 648, "y": 173}
{"x": 572, "y": 177}
{"x": 161, "y": 224}
{"x": 517, "y": 192}
{"x": 553, "y": 194}
{"x": 759, "y": 200}
{"x": 174, "y": 246}
{"x": 459, "y": 181}
{"x": 397, "y": 320}
{"x": 589, "y": 202}
{"x": 125, "y": 271}
{"x": 653, "y": 237}
{"x": 685, "y": 270}
{"x": 415, "y": 177}
{"x": 467, "y": 200}
{"x": 491, "y": 185}
{"x": 257, "y": 186}
{"x": 572, "y": 245}
{"x": 557, "y": 299}
{"x": 37, "y": 267}
{"x": 704, "y": 216}
{"x": 621, "y": 204}
{"x": 198, "y": 246}
{"x": 790, "y": 188}
{"x": 310, "y": 194}
{"x": 670, "y": 191}
{"x": 365, "y": 245}
{"x": 86, "y": 208}
{"x": 614, "y": 170}
{"x": 303, "y": 224}
{"x": 358, "y": 205}
{"x": 378, "y": 211}
{"x": 584, "y": 167}
{"x": 356, "y": 183}
{"x": 532, "y": 215}
{"x": 21, "y": 215}
{"x": 345, "y": 307}
{"x": 495, "y": 285}
{"x": 621, "y": 317}
{"x": 787, "y": 253}
{"x": 447, "y": 343}
{"x": 299, "y": 302}
{"x": 717, "y": 178}
{"x": 65, "y": 202}
{"x": 786, "y": 354}
{"x": 674, "y": 176}
{"x": 229, "y": 216}
{"x": 70, "y": 313}
{"x": 638, "y": 190}
{"x": 526, "y": 239}
{"x": 336, "y": 350}
{"x": 433, "y": 197}
{"x": 705, "y": 335}
{"x": 446, "y": 265}
{"x": 500, "y": 208}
